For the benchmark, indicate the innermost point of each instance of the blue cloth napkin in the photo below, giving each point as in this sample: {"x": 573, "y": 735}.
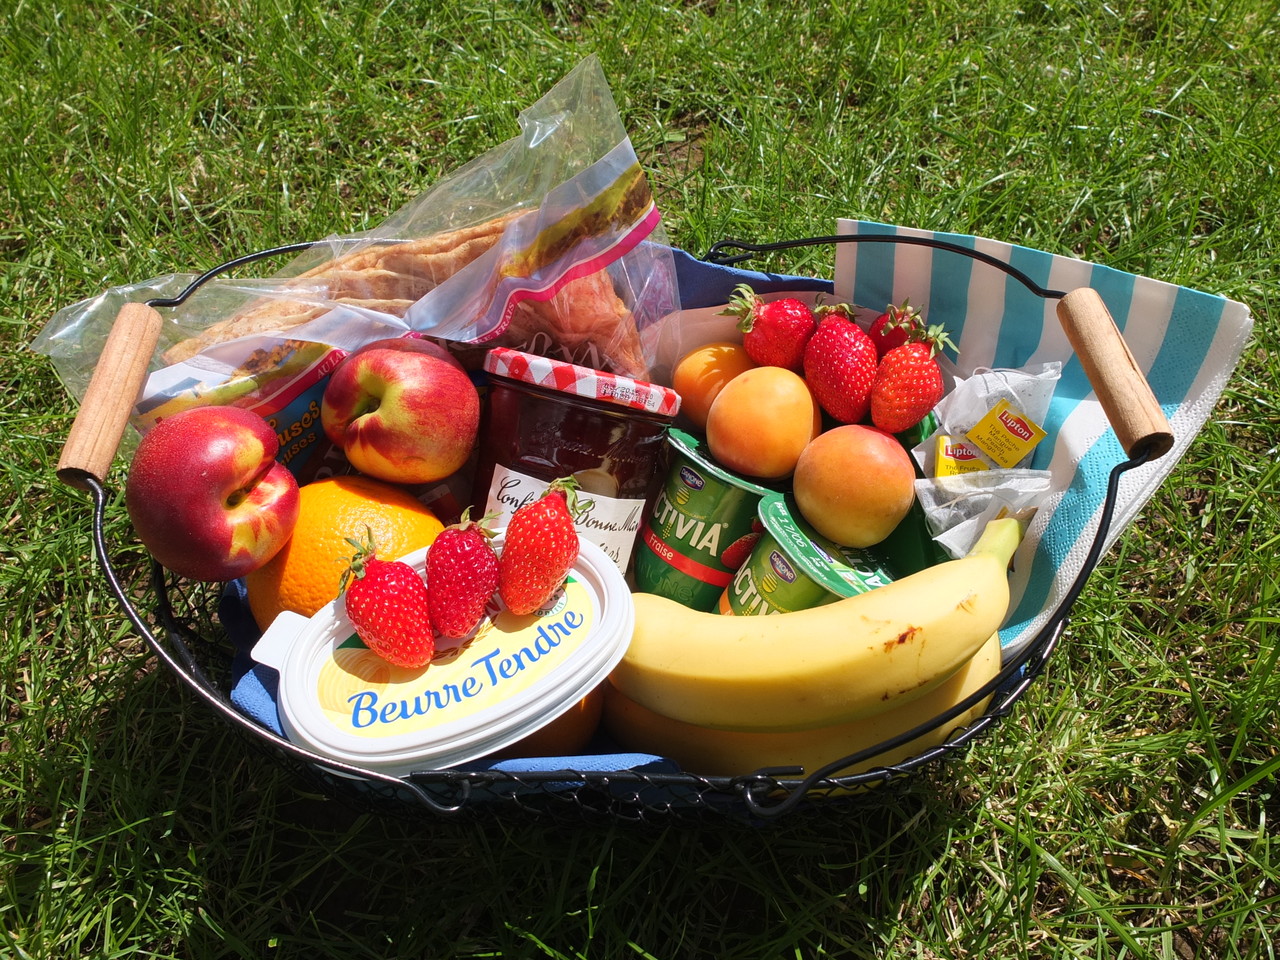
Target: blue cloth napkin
{"x": 703, "y": 284}
{"x": 254, "y": 686}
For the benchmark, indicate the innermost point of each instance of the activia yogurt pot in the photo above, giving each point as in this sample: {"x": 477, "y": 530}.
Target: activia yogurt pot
{"x": 793, "y": 567}
{"x": 694, "y": 538}
{"x": 511, "y": 677}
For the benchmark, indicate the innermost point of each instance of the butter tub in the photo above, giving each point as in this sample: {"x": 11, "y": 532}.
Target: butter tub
{"x": 510, "y": 678}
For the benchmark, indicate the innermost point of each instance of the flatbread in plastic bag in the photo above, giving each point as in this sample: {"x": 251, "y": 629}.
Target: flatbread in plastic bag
{"x": 550, "y": 242}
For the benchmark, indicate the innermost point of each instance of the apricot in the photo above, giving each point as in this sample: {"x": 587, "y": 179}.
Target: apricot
{"x": 702, "y": 373}
{"x": 854, "y": 484}
{"x": 761, "y": 420}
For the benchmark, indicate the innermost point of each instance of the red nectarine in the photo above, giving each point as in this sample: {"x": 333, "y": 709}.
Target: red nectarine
{"x": 206, "y": 495}
{"x": 402, "y": 412}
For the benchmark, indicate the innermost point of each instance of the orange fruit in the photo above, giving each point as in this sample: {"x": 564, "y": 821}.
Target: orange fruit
{"x": 761, "y": 422}
{"x": 703, "y": 372}
{"x": 306, "y": 573}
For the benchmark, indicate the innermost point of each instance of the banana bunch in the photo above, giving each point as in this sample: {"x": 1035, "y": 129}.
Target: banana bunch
{"x": 727, "y": 753}
{"x": 813, "y": 685}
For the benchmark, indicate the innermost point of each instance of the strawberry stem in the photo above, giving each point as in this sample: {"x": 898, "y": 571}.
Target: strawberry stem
{"x": 905, "y": 317}
{"x": 823, "y": 310}
{"x": 937, "y": 338}
{"x": 569, "y": 487}
{"x": 484, "y": 526}
{"x": 365, "y": 548}
{"x": 743, "y": 306}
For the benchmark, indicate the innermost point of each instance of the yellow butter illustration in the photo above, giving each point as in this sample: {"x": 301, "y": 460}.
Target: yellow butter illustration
{"x": 361, "y": 694}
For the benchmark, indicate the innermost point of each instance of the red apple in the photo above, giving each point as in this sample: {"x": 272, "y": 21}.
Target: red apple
{"x": 206, "y": 495}
{"x": 401, "y": 412}
{"x": 854, "y": 484}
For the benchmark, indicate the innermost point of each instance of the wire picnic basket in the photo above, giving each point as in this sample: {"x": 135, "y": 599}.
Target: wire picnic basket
{"x": 179, "y": 620}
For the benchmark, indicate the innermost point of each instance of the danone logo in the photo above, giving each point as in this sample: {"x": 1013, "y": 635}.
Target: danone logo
{"x": 1016, "y": 425}
{"x": 781, "y": 567}
{"x": 691, "y": 478}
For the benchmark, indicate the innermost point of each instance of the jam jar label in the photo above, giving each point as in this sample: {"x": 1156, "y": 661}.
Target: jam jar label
{"x": 611, "y": 523}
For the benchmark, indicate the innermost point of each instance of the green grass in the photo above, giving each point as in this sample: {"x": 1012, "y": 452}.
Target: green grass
{"x": 1126, "y": 808}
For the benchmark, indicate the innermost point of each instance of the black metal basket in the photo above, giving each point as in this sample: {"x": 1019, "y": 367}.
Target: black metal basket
{"x": 178, "y": 620}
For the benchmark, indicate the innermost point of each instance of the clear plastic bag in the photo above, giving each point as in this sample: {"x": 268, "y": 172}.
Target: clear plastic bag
{"x": 550, "y": 242}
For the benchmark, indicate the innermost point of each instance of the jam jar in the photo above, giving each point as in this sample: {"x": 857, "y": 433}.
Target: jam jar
{"x": 545, "y": 419}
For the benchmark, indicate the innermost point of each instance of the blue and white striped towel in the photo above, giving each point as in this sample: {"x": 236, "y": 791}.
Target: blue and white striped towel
{"x": 1186, "y": 342}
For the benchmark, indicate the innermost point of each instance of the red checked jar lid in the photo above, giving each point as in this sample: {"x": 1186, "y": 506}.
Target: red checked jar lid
{"x": 573, "y": 380}
{"x": 545, "y": 419}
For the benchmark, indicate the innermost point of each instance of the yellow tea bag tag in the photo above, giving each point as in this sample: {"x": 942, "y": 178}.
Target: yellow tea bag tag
{"x": 1005, "y": 434}
{"x": 954, "y": 457}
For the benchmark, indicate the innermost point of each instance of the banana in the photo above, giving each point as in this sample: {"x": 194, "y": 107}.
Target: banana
{"x": 727, "y": 753}
{"x": 825, "y": 665}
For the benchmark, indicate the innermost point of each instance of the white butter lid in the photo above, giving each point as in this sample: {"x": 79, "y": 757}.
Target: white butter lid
{"x": 478, "y": 695}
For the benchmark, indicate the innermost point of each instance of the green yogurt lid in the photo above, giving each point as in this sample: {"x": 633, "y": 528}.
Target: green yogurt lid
{"x": 696, "y": 450}
{"x": 844, "y": 571}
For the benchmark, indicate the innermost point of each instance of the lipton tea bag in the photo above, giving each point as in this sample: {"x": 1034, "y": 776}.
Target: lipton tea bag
{"x": 1005, "y": 434}
{"x": 953, "y": 457}
{"x": 994, "y": 418}
{"x": 957, "y": 508}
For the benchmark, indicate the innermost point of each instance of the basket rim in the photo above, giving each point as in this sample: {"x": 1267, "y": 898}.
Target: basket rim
{"x": 757, "y": 791}
{"x": 766, "y": 793}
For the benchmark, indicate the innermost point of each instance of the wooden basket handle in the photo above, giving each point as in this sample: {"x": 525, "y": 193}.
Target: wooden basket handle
{"x": 1122, "y": 389}
{"x": 113, "y": 390}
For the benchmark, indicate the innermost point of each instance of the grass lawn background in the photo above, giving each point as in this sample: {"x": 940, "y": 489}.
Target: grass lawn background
{"x": 1124, "y": 810}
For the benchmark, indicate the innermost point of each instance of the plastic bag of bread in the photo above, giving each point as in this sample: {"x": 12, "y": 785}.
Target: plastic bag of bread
{"x": 550, "y": 242}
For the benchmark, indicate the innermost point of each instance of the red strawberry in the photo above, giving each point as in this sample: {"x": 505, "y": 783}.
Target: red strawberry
{"x": 894, "y": 327}
{"x": 773, "y": 333}
{"x": 908, "y": 382}
{"x": 736, "y": 553}
{"x": 540, "y": 549}
{"x": 839, "y": 366}
{"x": 462, "y": 576}
{"x": 387, "y": 604}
